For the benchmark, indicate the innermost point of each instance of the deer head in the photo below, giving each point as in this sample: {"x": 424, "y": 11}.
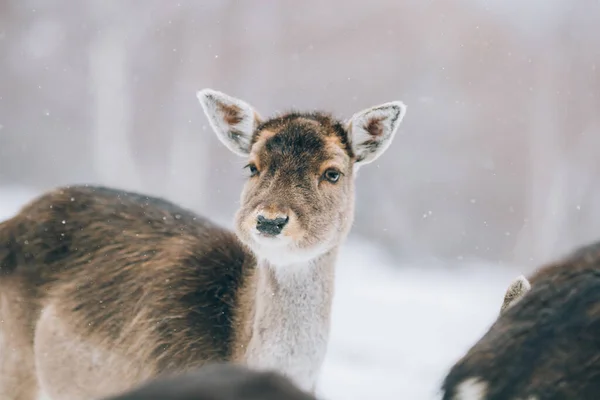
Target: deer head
{"x": 298, "y": 202}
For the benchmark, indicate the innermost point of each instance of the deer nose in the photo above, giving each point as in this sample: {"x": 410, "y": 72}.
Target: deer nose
{"x": 271, "y": 226}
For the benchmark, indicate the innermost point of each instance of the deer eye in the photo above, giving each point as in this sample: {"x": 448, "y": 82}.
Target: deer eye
{"x": 332, "y": 175}
{"x": 252, "y": 168}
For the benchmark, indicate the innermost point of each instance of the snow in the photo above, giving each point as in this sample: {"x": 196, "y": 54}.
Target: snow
{"x": 396, "y": 328}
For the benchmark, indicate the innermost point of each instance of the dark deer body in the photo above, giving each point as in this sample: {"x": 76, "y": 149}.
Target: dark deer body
{"x": 546, "y": 345}
{"x": 219, "y": 382}
{"x": 102, "y": 289}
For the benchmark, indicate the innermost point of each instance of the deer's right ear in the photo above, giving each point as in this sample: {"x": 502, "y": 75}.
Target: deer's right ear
{"x": 233, "y": 120}
{"x": 516, "y": 290}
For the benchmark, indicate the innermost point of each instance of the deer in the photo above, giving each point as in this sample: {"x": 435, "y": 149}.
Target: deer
{"x": 545, "y": 342}
{"x": 218, "y": 381}
{"x": 102, "y": 289}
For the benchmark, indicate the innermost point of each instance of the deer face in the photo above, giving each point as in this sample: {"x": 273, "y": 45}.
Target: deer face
{"x": 298, "y": 202}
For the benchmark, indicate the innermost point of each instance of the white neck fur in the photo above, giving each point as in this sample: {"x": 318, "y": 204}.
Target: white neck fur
{"x": 292, "y": 320}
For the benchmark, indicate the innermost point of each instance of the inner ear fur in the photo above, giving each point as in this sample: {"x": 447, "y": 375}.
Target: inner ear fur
{"x": 372, "y": 130}
{"x": 232, "y": 119}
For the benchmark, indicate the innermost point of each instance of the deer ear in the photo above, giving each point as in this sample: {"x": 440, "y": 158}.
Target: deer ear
{"x": 233, "y": 120}
{"x": 516, "y": 290}
{"x": 372, "y": 130}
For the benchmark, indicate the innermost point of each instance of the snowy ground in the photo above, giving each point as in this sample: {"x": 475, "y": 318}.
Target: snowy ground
{"x": 396, "y": 328}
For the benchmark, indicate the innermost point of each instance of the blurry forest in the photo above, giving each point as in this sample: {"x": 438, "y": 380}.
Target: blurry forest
{"x": 498, "y": 157}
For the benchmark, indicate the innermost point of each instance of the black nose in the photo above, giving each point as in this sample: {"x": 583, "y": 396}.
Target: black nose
{"x": 271, "y": 227}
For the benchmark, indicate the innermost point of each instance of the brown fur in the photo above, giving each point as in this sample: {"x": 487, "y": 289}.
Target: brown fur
{"x": 219, "y": 382}
{"x": 546, "y": 345}
{"x": 125, "y": 273}
{"x": 232, "y": 113}
{"x": 374, "y": 127}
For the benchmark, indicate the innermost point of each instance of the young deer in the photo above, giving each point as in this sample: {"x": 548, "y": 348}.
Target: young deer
{"x": 218, "y": 382}
{"x": 103, "y": 289}
{"x": 545, "y": 344}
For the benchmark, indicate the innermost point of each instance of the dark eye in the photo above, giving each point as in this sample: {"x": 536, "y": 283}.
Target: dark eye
{"x": 253, "y": 169}
{"x": 332, "y": 175}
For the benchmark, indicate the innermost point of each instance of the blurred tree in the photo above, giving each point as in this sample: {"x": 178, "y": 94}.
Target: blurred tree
{"x": 495, "y": 158}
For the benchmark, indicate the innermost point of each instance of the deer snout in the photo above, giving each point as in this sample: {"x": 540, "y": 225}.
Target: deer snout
{"x": 269, "y": 225}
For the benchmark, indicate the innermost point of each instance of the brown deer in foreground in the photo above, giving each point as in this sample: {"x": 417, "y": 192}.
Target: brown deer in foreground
{"x": 545, "y": 345}
{"x": 102, "y": 289}
{"x": 218, "y": 382}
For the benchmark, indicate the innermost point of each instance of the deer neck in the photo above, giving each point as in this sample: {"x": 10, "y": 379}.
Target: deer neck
{"x": 292, "y": 318}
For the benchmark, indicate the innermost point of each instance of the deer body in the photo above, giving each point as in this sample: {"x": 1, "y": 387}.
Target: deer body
{"x": 102, "y": 289}
{"x": 545, "y": 344}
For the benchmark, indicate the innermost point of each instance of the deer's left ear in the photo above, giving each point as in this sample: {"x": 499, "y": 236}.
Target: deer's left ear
{"x": 372, "y": 130}
{"x": 233, "y": 120}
